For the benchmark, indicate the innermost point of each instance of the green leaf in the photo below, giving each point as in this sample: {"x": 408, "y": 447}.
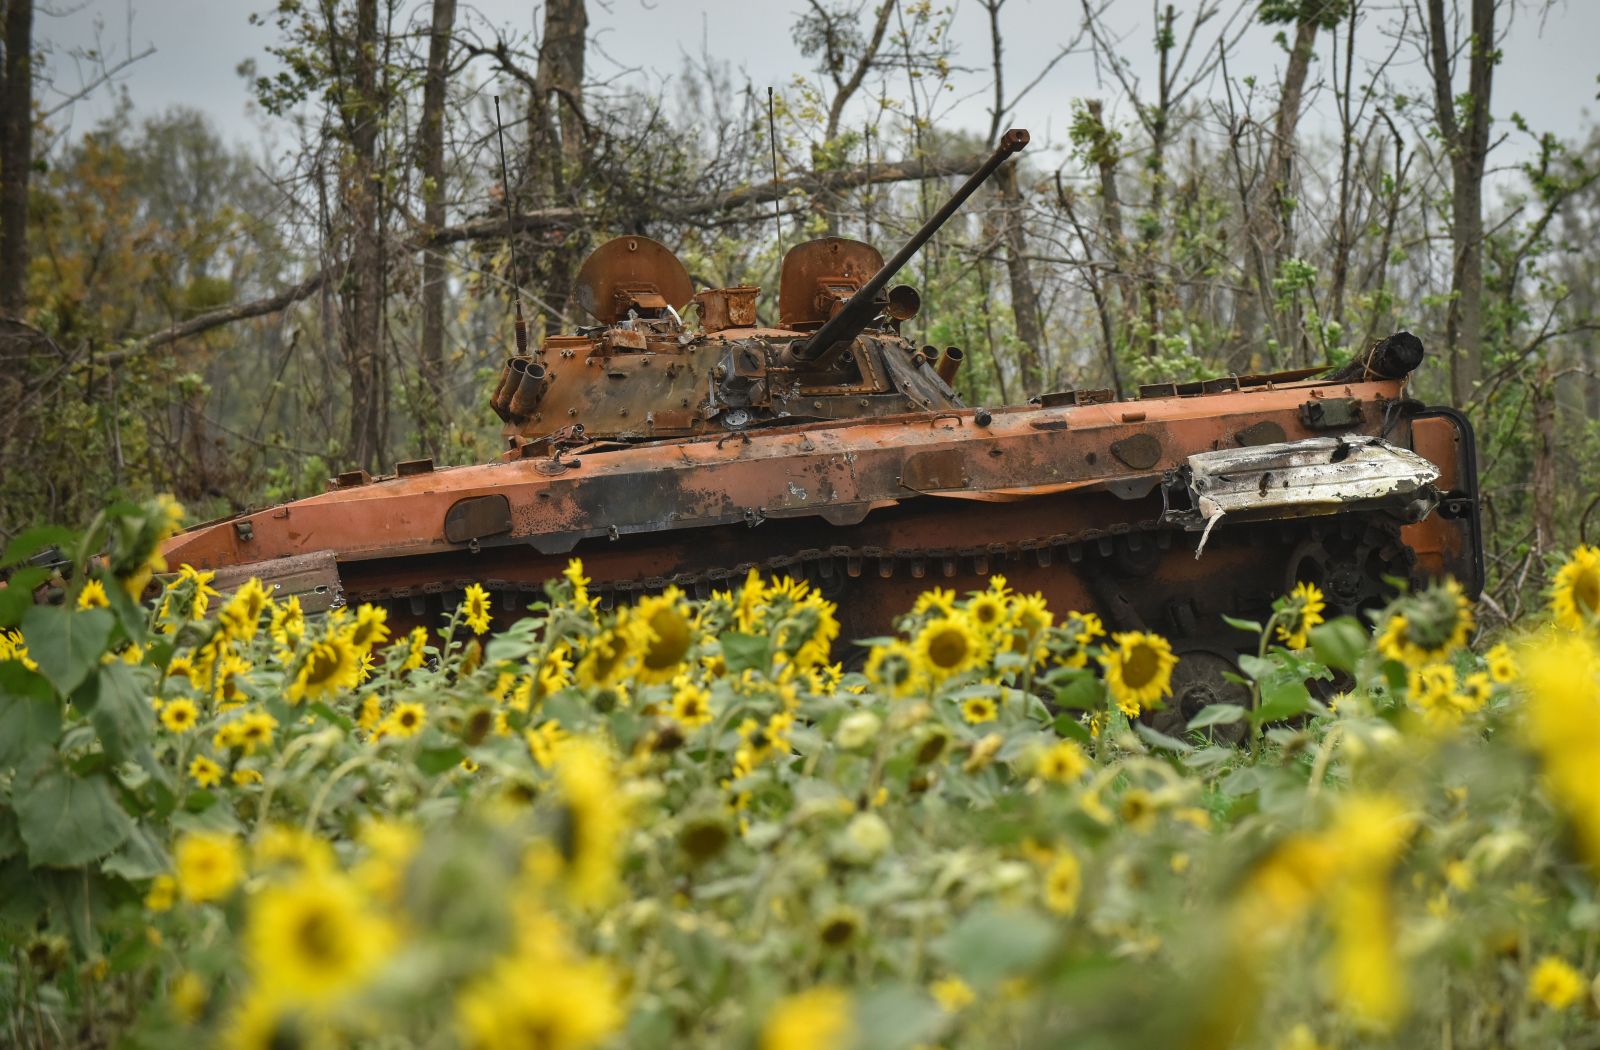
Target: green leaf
{"x": 1082, "y": 692}
{"x": 1257, "y": 667}
{"x": 435, "y": 760}
{"x": 1067, "y": 725}
{"x": 1249, "y": 626}
{"x": 121, "y": 714}
{"x": 991, "y": 943}
{"x": 1339, "y": 643}
{"x": 141, "y": 857}
{"x": 26, "y": 723}
{"x": 745, "y": 652}
{"x": 10, "y": 838}
{"x": 1216, "y": 715}
{"x": 67, "y": 821}
{"x": 16, "y": 598}
{"x": 1161, "y": 740}
{"x": 1280, "y": 700}
{"x": 66, "y": 643}
{"x": 896, "y": 1017}
{"x": 31, "y": 541}
{"x": 328, "y": 713}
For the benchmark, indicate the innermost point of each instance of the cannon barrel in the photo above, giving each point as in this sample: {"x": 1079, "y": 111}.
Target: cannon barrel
{"x": 861, "y": 307}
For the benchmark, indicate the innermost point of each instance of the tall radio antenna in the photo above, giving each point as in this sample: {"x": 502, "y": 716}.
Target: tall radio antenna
{"x": 511, "y": 240}
{"x": 772, "y": 139}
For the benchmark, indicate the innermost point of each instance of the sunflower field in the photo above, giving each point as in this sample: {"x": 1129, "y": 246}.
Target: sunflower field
{"x": 226, "y": 822}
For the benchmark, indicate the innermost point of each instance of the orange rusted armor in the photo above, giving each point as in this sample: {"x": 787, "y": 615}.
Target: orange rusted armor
{"x": 680, "y": 441}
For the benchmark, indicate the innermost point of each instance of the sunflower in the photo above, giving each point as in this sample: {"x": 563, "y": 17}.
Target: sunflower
{"x": 1062, "y": 762}
{"x": 1431, "y": 689}
{"x": 1298, "y": 612}
{"x": 839, "y": 927}
{"x": 1138, "y": 670}
{"x": 312, "y": 939}
{"x": 952, "y": 994}
{"x": 194, "y": 591}
{"x": 475, "y": 609}
{"x": 331, "y": 665}
{"x": 93, "y": 596}
{"x": 935, "y": 602}
{"x": 288, "y": 621}
{"x": 1030, "y": 619}
{"x": 416, "y": 649}
{"x": 371, "y": 628}
{"x": 1427, "y": 626}
{"x": 228, "y": 682}
{"x": 574, "y": 576}
{"x": 254, "y": 731}
{"x": 948, "y": 647}
{"x": 405, "y": 720}
{"x": 1063, "y": 882}
{"x": 1501, "y": 664}
{"x": 818, "y": 1019}
{"x": 592, "y": 823}
{"x": 1138, "y": 809}
{"x": 241, "y": 616}
{"x": 544, "y": 741}
{"x": 605, "y": 656}
{"x": 204, "y": 772}
{"x": 662, "y": 634}
{"x": 1070, "y": 642}
{"x": 575, "y": 1004}
{"x": 1575, "y": 596}
{"x": 979, "y": 709}
{"x": 1556, "y": 983}
{"x": 179, "y": 716}
{"x": 691, "y": 704}
{"x": 209, "y": 865}
{"x": 893, "y": 669}
{"x": 987, "y": 611}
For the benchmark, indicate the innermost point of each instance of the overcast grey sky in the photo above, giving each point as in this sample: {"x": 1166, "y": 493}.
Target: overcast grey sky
{"x": 1549, "y": 73}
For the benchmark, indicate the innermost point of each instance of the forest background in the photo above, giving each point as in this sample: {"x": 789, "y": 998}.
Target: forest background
{"x": 233, "y": 312}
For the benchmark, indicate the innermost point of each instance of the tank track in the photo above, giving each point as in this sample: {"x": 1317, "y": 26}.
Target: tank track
{"x": 827, "y": 567}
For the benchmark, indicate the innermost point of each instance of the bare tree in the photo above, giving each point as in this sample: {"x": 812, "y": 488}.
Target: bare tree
{"x": 1463, "y": 119}
{"x": 431, "y": 163}
{"x": 16, "y": 153}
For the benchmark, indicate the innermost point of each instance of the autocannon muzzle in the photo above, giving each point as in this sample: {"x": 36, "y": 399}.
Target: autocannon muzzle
{"x": 859, "y": 310}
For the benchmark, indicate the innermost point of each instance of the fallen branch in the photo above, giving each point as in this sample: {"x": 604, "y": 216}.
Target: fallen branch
{"x": 563, "y": 218}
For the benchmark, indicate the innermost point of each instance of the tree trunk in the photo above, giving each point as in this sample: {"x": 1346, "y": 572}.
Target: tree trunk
{"x": 16, "y": 154}
{"x": 557, "y": 146}
{"x": 1024, "y": 292}
{"x": 430, "y": 138}
{"x": 1468, "y": 144}
{"x": 362, "y": 305}
{"x": 1544, "y": 457}
{"x": 1272, "y": 210}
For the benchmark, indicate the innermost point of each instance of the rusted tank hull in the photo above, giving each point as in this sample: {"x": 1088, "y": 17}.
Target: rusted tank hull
{"x": 1067, "y": 499}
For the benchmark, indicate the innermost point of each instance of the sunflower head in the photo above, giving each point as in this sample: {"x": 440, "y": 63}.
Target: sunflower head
{"x": 475, "y": 608}
{"x": 987, "y": 611}
{"x": 331, "y": 665}
{"x": 1297, "y": 612}
{"x": 1138, "y": 670}
{"x": 662, "y": 634}
{"x": 893, "y": 669}
{"x": 1575, "y": 596}
{"x": 948, "y": 647}
{"x": 1427, "y": 627}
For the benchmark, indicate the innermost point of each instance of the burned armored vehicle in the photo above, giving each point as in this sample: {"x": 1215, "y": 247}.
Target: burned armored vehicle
{"x": 678, "y": 441}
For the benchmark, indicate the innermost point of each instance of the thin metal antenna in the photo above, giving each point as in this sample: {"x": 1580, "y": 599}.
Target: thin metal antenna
{"x": 511, "y": 240}
{"x": 772, "y": 139}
